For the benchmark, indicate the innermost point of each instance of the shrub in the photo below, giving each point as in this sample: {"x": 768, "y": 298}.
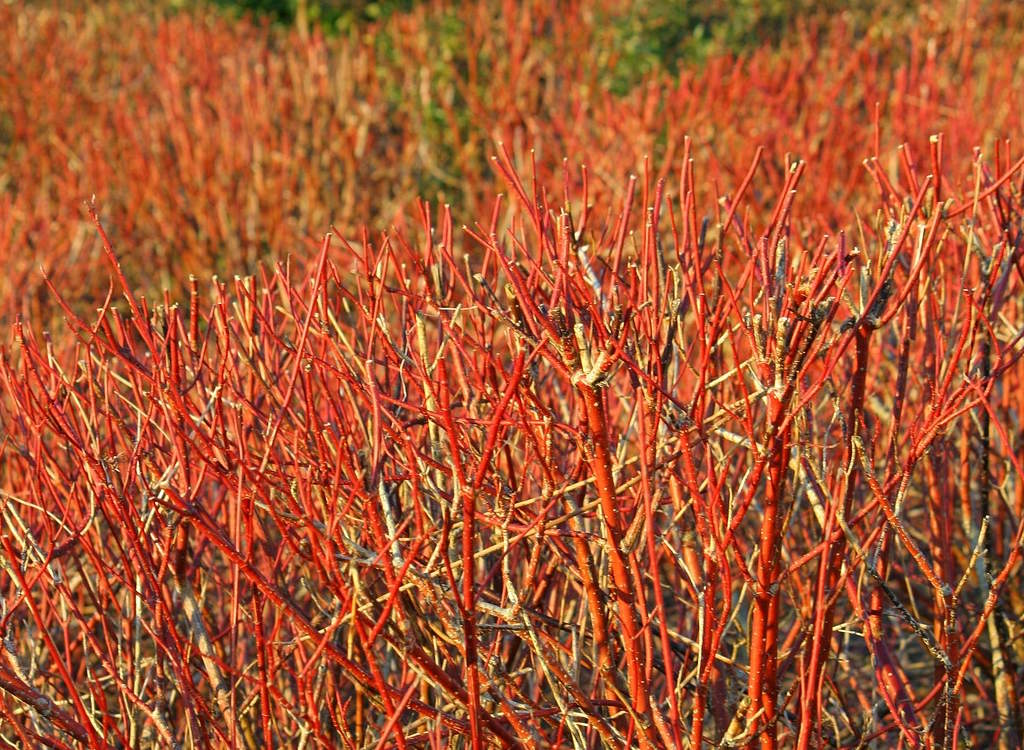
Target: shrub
{"x": 553, "y": 485}
{"x": 213, "y": 145}
{"x": 724, "y": 452}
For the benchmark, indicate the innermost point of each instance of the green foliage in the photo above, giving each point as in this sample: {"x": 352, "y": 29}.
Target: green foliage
{"x": 656, "y": 35}
{"x": 339, "y": 15}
